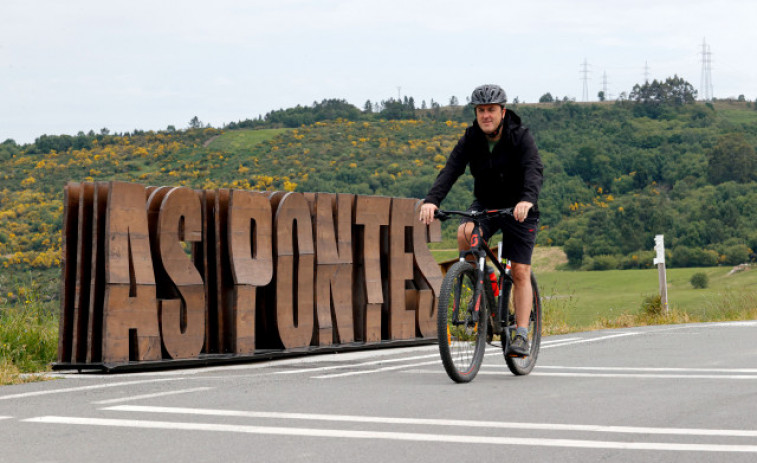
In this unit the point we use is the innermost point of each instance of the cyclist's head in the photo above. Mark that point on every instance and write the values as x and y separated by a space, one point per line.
488 94
489 101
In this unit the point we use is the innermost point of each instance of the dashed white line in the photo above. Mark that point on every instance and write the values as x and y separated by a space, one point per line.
398 436
151 396
5 417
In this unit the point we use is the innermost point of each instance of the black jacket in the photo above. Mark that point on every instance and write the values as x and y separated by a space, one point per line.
511 173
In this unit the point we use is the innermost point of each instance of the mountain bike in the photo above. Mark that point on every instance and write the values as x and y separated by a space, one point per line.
476 308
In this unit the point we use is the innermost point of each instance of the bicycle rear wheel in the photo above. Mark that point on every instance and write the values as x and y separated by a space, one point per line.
524 365
461 323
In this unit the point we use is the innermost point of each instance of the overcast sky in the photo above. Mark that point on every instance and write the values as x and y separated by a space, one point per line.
74 65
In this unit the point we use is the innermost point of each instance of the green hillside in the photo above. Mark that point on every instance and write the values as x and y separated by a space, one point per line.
614 177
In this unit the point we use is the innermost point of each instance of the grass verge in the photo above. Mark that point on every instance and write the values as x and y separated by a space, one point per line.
28 334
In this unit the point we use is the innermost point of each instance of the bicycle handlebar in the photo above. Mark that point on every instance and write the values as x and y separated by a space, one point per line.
474 215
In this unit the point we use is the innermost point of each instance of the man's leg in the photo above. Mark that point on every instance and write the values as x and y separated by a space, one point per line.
522 298
522 293
464 232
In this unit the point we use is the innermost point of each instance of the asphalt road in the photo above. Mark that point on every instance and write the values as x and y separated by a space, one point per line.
682 393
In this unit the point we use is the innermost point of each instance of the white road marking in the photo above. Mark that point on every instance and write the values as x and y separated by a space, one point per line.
585 340
151 396
499 370
82 388
352 365
5 417
642 375
434 422
377 370
560 343
546 342
661 369
398 436
316 358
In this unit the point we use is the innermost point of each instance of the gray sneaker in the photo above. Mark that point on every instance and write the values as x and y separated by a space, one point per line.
519 347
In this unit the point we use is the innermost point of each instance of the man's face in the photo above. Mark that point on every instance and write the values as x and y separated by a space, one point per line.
489 116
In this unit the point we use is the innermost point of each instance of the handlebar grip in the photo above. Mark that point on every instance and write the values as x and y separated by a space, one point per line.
440 215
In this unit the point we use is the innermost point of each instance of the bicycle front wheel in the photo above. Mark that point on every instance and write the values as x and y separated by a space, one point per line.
461 323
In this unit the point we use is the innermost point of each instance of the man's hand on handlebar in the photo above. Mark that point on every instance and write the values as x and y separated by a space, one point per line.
521 210
427 213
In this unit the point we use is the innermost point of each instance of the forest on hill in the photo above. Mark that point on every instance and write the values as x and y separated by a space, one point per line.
616 173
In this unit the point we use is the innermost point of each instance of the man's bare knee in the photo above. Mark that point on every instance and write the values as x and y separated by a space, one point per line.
464 232
521 273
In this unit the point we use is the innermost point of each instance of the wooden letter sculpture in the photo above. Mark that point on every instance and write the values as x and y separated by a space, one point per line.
401 320
333 250
428 275
251 254
171 273
371 212
295 260
182 317
130 315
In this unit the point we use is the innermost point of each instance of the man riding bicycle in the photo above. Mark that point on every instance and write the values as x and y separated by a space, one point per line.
507 172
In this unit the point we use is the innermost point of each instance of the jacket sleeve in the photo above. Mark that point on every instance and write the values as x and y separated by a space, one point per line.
533 169
452 170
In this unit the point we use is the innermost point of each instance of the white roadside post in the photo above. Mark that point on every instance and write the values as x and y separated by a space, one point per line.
659 261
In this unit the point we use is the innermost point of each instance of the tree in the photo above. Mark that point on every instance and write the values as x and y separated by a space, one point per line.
195 123
732 159
675 90
601 95
680 92
368 107
546 98
453 101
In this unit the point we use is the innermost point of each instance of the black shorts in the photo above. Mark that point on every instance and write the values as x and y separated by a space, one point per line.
518 238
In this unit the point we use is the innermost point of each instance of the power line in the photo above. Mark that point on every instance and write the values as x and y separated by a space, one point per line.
585 78
706 79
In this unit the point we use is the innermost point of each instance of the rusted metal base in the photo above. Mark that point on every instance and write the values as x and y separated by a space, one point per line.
227 359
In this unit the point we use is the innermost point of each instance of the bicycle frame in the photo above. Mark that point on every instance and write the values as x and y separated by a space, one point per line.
480 251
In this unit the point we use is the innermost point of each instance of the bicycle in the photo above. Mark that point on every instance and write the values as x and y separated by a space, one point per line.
466 298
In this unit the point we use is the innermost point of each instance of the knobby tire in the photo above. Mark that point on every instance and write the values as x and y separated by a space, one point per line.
461 342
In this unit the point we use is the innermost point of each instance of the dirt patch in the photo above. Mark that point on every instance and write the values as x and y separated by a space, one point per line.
209 141
547 259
